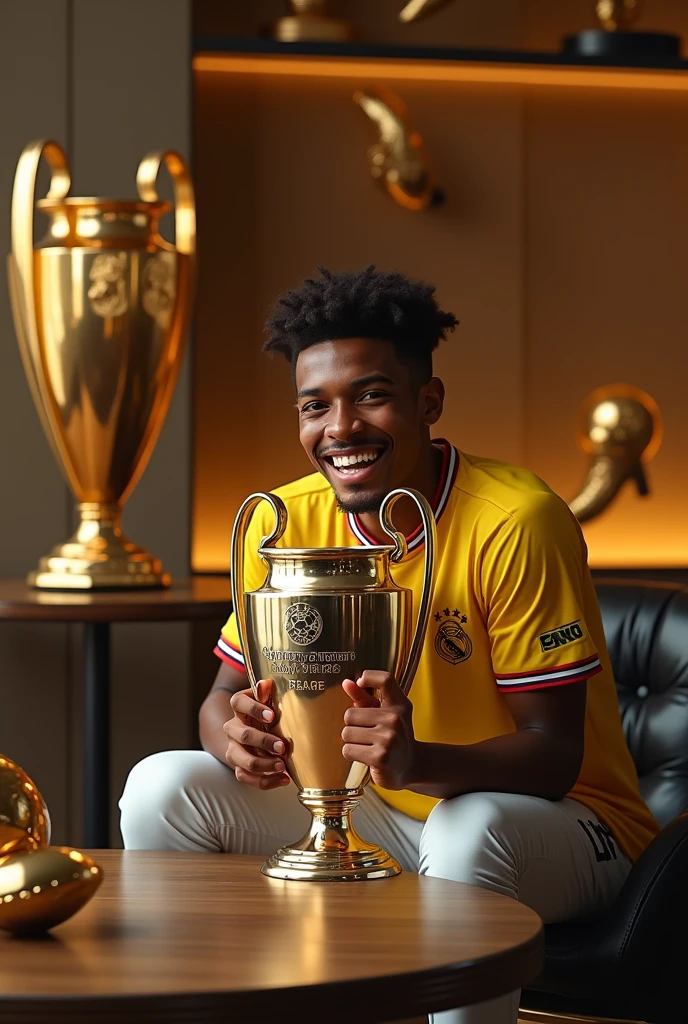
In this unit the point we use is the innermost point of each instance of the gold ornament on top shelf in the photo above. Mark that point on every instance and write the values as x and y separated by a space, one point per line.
417 9
618 15
101 308
310 22
399 161
40 886
621 430
617 37
324 615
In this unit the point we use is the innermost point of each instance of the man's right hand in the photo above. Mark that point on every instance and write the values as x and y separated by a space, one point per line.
255 755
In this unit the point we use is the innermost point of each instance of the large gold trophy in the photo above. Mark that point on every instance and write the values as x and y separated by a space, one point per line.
324 615
100 308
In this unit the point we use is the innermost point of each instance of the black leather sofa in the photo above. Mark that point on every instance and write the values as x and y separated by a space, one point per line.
629 964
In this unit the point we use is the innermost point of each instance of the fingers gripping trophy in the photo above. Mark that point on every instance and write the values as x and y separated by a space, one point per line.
321 616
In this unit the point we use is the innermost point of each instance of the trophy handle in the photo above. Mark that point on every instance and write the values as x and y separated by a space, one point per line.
185 206
20 272
397 555
237 563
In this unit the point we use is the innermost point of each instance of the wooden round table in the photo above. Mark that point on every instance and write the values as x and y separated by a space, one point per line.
205 938
202 597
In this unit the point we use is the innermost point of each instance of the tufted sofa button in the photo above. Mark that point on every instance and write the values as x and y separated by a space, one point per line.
642 692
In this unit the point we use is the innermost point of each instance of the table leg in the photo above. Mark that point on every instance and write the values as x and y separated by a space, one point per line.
96 734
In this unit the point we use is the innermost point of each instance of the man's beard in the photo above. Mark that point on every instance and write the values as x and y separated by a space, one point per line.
359 505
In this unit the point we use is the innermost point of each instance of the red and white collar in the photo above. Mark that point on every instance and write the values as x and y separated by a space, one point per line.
450 463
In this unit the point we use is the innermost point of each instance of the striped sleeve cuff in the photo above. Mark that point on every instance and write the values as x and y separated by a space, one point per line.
560 675
230 654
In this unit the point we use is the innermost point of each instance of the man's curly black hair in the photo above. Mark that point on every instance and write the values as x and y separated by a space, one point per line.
365 304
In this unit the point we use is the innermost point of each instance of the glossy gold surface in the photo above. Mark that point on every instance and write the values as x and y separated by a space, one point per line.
398 161
24 818
322 616
621 430
41 890
309 20
100 307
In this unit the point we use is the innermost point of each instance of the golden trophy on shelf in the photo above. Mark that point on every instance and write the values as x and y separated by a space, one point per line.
324 615
621 430
100 308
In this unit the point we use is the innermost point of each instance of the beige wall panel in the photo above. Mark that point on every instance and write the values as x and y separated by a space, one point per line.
132 94
607 265
284 185
34 690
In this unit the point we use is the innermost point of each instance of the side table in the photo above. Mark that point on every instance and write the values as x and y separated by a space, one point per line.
187 600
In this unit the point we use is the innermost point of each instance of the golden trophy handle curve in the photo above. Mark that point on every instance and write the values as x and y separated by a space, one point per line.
20 266
237 563
398 554
185 207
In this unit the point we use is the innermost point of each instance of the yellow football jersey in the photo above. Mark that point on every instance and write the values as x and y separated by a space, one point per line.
514 609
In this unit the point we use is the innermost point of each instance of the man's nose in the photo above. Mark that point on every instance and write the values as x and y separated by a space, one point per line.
343 421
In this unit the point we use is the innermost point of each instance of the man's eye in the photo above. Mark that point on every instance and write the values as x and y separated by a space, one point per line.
313 407
371 396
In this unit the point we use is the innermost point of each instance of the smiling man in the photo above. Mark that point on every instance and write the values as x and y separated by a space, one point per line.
506 767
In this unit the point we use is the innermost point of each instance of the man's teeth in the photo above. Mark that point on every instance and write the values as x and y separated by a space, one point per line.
342 461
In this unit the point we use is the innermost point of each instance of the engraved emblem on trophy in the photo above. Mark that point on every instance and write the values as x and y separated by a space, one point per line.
324 615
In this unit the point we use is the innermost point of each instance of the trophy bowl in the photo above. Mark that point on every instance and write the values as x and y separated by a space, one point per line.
324 615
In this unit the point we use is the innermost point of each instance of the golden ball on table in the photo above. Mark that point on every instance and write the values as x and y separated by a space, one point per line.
42 889
24 818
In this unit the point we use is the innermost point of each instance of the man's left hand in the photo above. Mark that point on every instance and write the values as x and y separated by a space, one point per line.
379 732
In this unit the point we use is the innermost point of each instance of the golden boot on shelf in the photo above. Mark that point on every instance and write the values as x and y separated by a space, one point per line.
398 161
621 430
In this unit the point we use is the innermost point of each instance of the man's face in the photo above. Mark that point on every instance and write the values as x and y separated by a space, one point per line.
363 419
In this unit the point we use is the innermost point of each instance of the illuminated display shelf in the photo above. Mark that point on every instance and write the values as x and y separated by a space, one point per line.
433 64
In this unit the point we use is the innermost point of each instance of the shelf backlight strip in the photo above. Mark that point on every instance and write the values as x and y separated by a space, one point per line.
445 71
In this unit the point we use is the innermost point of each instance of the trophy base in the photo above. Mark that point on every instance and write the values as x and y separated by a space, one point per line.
331 851
98 557
292 863
621 45
312 27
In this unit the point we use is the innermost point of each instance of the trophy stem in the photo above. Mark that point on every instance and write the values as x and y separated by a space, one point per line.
331 850
98 556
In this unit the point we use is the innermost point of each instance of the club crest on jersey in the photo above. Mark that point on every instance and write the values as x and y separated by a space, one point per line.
561 635
452 642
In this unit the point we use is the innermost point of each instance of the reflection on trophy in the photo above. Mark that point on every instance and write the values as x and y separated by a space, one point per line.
322 616
398 161
100 308
621 429
309 20
40 886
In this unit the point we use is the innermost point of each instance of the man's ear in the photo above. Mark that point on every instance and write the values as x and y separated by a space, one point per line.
432 401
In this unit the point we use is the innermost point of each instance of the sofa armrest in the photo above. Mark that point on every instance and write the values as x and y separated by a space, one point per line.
614 960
